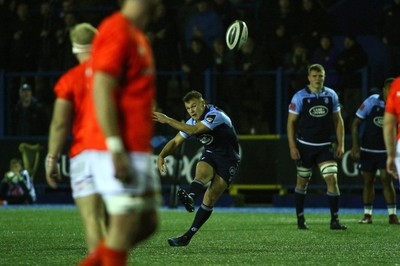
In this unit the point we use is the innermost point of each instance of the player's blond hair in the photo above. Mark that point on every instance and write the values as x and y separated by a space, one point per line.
316 67
83 34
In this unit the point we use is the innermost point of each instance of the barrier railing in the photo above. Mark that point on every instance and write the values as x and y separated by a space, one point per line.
9 83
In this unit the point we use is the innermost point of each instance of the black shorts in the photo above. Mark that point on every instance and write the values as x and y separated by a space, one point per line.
314 155
372 161
225 167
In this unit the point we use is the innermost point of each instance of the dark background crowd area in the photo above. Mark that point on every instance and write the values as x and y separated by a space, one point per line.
188 37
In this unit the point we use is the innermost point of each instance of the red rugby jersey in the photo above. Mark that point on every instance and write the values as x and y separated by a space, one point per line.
393 102
122 50
72 87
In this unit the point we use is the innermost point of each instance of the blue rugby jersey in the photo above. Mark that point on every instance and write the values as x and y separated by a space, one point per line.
371 112
222 138
315 115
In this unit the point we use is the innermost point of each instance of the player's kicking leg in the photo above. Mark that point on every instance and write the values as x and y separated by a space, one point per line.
213 193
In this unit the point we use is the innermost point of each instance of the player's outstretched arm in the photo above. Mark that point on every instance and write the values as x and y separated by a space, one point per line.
168 149
191 130
58 132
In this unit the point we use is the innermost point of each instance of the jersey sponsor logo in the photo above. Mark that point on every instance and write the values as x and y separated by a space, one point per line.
292 106
378 121
232 171
210 118
206 139
318 111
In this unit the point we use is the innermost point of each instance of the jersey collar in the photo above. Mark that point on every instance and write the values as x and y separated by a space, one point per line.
310 92
206 110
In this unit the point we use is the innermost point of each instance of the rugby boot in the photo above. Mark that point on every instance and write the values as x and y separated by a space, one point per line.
301 224
336 225
366 220
393 219
179 241
186 199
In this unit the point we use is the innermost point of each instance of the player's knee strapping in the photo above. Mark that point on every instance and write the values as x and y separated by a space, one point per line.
304 172
152 202
123 204
329 169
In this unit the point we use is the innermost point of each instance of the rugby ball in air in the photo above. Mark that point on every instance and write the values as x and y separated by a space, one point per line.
236 35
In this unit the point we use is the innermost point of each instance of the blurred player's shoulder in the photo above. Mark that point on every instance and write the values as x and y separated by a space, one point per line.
69 80
304 92
115 22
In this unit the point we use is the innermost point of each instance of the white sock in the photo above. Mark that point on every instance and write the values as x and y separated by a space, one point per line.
368 209
391 209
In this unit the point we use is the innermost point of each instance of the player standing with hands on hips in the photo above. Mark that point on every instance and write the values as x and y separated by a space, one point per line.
218 163
372 153
311 113
390 120
122 74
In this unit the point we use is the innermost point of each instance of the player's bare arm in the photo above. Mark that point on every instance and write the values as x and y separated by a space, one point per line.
339 129
168 149
291 132
59 126
191 130
106 112
355 148
389 135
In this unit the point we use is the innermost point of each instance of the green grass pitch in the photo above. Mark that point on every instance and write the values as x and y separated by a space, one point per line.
54 236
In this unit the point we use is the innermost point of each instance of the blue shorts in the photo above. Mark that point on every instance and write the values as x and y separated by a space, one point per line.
314 155
372 161
225 167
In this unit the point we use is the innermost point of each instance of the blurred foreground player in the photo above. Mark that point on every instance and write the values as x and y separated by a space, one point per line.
391 122
122 73
372 153
71 96
218 163
311 113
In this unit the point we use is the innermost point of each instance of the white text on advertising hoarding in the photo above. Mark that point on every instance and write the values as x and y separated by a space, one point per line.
188 165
